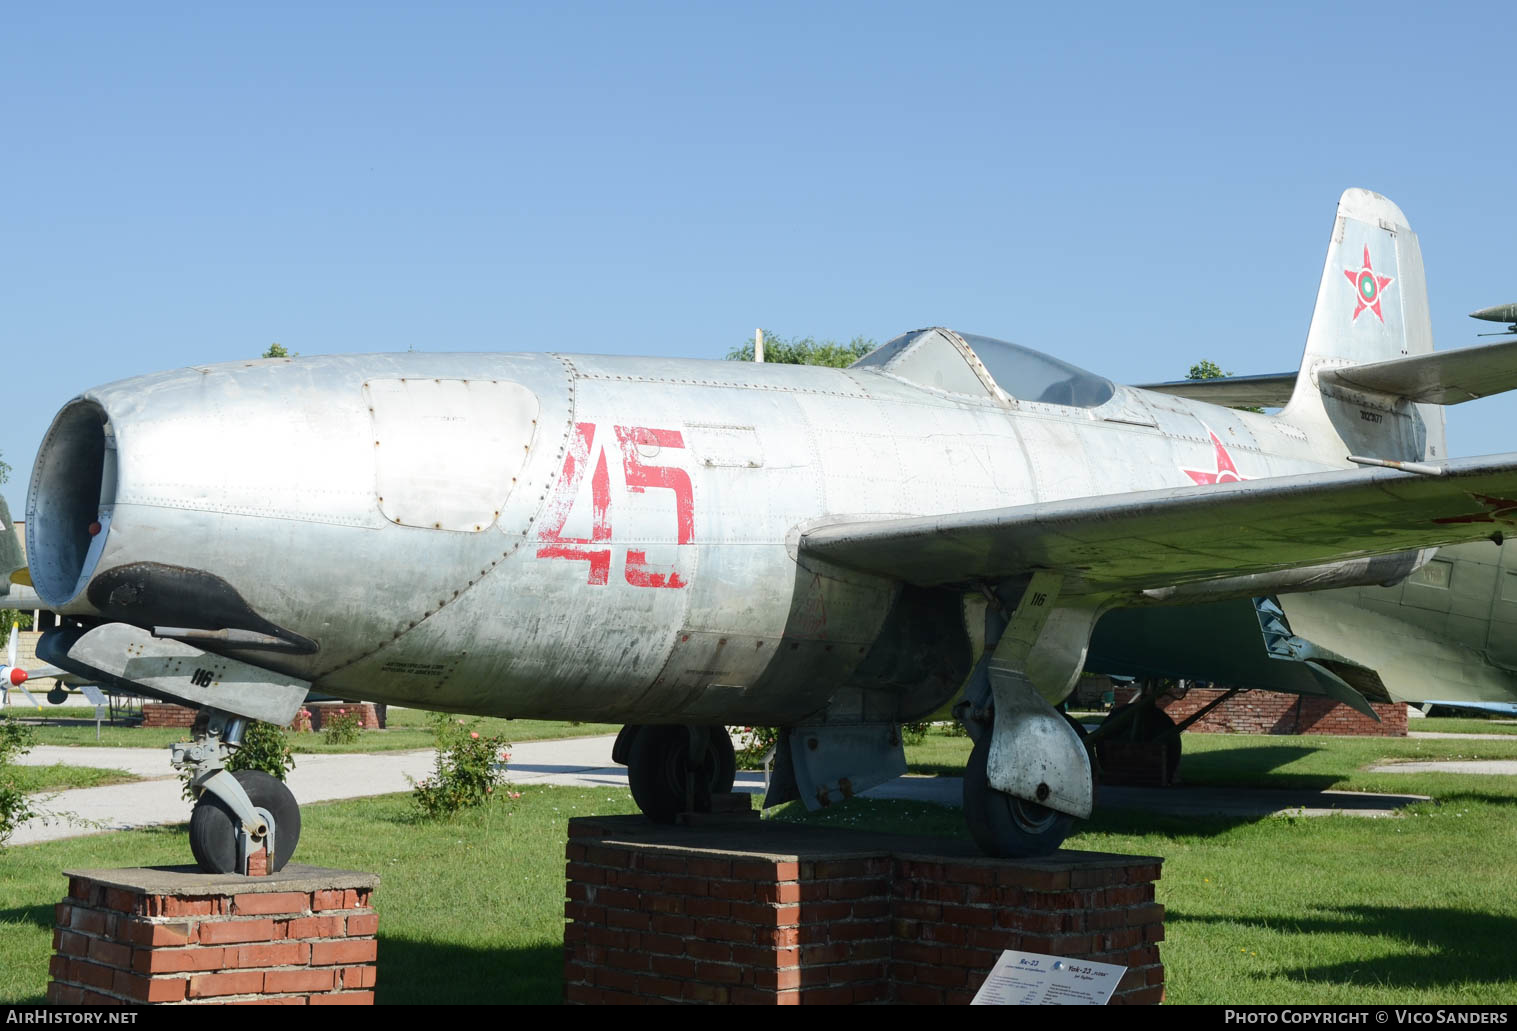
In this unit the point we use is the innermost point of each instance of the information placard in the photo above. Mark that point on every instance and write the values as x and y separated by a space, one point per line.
1032 979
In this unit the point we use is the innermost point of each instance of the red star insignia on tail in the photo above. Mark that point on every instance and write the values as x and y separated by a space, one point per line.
1226 471
1367 286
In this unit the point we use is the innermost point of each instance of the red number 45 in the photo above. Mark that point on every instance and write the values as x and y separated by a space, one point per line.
639 478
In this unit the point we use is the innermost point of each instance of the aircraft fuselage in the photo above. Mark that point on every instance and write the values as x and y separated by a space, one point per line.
578 537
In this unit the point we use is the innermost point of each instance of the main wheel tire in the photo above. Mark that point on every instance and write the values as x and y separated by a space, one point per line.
1005 826
213 826
659 759
726 760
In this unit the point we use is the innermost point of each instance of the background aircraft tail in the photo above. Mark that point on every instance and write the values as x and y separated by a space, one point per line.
1371 307
11 557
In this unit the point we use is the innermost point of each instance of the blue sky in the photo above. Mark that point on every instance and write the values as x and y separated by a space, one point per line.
1131 188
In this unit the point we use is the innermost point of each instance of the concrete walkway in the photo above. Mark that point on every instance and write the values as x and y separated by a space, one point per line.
578 762
583 762
1493 767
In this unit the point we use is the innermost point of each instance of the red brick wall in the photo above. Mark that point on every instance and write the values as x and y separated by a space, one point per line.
1270 712
651 922
115 944
164 714
322 711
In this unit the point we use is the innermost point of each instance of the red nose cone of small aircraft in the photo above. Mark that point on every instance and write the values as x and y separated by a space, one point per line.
18 677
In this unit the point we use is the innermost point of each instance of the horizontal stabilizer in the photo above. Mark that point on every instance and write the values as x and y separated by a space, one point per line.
1439 378
1336 688
1271 390
1221 643
1162 538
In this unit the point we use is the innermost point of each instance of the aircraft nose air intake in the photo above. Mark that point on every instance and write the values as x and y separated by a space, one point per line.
69 505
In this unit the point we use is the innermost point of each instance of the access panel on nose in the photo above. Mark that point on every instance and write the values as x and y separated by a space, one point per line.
447 452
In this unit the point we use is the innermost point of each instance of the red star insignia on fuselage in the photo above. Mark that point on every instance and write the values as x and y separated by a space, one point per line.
1497 510
1225 472
1367 286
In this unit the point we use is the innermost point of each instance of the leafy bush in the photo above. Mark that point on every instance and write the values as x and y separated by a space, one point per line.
469 768
752 744
12 618
15 808
264 747
915 733
341 728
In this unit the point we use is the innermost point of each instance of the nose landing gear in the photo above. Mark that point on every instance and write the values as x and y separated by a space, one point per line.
235 814
221 841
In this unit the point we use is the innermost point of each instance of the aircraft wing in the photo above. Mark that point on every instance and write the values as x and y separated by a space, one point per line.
1271 390
1154 539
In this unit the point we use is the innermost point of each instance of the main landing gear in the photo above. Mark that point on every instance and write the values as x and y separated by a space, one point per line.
1029 776
1003 824
664 778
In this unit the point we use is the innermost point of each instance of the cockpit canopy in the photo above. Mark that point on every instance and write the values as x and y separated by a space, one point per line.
960 362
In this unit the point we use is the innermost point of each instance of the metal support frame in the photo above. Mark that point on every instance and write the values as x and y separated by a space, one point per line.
1121 719
1200 714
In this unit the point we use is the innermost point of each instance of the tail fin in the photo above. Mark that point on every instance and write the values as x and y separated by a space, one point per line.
1371 307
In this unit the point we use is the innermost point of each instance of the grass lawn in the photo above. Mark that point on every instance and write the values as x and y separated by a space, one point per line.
407 729
1458 725
470 910
59 777
1275 910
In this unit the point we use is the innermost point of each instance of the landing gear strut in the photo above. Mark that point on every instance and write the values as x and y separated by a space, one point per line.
664 780
1029 776
235 814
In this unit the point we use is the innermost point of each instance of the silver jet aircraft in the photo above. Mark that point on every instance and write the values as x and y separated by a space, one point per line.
680 545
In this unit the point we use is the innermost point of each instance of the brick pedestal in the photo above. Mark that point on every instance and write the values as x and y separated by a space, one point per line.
322 712
174 935
1136 763
775 913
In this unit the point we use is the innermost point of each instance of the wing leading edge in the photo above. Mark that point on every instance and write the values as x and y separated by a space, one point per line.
1157 539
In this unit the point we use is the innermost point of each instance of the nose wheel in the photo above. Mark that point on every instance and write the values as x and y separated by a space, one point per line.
236 813
222 842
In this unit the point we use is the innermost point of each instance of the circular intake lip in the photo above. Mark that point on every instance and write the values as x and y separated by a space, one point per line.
70 501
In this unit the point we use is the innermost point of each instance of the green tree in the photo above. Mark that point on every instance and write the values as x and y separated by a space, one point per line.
278 351
1208 369
805 351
